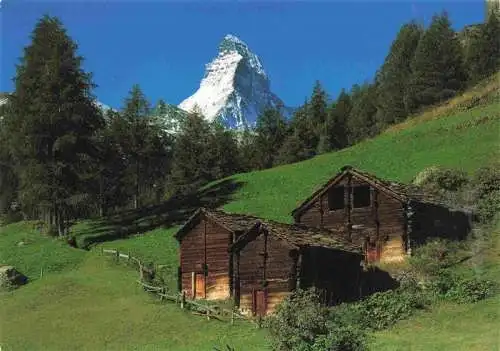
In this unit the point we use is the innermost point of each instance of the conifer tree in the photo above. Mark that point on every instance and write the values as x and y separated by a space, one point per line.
393 76
247 150
301 141
318 105
271 130
437 67
146 147
483 58
191 159
224 152
337 120
361 122
52 111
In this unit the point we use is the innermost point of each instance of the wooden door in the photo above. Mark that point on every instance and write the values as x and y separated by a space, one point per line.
199 287
372 251
259 303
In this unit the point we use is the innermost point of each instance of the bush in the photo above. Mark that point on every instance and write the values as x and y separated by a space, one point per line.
471 290
441 179
488 206
437 254
486 181
456 288
341 338
382 309
300 323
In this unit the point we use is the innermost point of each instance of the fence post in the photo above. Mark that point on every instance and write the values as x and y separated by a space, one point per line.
208 314
117 256
183 299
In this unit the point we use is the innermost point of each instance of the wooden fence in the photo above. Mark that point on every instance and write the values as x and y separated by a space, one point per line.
195 307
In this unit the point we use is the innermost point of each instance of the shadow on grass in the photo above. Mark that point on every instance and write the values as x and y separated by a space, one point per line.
174 211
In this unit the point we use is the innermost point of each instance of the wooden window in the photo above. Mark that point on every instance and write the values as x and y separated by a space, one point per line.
361 196
336 198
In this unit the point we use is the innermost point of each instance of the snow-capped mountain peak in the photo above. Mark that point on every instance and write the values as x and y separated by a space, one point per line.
235 87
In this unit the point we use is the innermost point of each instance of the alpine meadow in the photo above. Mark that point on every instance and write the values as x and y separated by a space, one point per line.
368 221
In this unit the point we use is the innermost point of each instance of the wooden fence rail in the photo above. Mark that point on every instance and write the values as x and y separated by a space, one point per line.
197 308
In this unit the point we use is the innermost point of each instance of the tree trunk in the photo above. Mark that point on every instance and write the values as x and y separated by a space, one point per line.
136 197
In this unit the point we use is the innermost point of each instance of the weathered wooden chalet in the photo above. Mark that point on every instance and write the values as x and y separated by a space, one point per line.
386 218
273 259
205 264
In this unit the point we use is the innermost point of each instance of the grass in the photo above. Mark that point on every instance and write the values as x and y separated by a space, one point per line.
447 327
158 247
86 302
99 306
22 246
467 141
450 326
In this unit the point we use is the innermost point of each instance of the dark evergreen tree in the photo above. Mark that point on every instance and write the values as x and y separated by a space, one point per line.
318 115
112 186
394 74
146 147
271 130
337 121
361 122
191 158
437 67
247 150
53 112
483 57
224 152
301 141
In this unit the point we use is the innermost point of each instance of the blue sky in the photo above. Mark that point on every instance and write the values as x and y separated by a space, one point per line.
164 45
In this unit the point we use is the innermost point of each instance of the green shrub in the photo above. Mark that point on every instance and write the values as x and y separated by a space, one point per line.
436 179
457 288
488 206
382 309
342 338
298 321
437 254
301 323
486 180
470 290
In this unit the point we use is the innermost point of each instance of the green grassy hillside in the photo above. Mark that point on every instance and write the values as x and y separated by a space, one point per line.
85 302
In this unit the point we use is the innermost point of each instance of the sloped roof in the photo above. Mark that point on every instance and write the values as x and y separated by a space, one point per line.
399 191
299 236
233 222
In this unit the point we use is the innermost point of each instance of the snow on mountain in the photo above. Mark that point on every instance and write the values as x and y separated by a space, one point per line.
235 88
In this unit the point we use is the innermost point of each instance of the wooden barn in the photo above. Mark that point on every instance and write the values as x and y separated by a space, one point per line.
273 259
386 218
205 265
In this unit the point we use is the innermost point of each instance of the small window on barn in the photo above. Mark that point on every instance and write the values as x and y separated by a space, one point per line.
336 198
361 196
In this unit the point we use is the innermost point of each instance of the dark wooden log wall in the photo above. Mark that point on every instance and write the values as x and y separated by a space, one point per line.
336 274
198 249
432 221
268 263
382 222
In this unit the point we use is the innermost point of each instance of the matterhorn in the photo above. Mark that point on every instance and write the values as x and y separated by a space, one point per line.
235 88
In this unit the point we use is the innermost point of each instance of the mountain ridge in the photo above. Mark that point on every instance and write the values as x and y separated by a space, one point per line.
235 87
